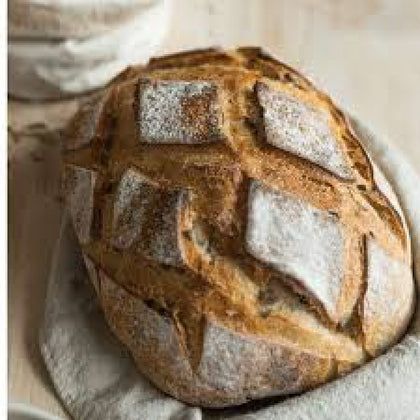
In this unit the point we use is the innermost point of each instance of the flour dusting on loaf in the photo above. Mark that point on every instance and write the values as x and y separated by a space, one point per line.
139 203
139 324
273 366
389 298
299 240
133 196
240 240
79 184
177 112
298 128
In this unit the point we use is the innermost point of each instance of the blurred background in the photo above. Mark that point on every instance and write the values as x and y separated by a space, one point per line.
364 53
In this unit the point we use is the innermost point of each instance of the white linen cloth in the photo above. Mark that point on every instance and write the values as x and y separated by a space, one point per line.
53 19
44 68
96 379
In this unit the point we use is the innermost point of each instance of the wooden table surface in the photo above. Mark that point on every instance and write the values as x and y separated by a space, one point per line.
366 54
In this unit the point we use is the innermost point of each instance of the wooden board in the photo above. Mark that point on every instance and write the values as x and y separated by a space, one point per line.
364 53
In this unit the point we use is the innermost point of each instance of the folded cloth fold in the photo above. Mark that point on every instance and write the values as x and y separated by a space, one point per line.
96 379
50 68
53 19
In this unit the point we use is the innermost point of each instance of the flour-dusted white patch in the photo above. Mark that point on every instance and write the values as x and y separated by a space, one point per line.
140 203
140 324
149 334
296 127
79 184
236 362
389 299
133 197
178 112
83 127
299 240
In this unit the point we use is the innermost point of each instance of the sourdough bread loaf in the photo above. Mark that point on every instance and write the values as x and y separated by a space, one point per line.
241 242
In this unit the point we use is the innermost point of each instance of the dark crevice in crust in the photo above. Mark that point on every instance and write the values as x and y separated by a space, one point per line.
158 307
105 148
99 196
314 306
103 189
75 152
354 147
220 236
298 160
355 324
97 219
99 253
191 335
268 300
101 143
357 154
191 58
382 206
390 214
208 238
254 120
101 148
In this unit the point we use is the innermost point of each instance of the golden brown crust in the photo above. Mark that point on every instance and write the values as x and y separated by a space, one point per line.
211 127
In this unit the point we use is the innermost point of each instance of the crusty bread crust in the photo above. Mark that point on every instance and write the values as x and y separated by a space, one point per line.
234 228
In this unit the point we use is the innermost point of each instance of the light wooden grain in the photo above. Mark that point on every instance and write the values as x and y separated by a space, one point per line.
366 54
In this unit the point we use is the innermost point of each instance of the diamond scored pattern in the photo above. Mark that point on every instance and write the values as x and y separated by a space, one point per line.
293 237
289 234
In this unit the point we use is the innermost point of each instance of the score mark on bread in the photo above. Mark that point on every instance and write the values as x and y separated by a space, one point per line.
148 216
